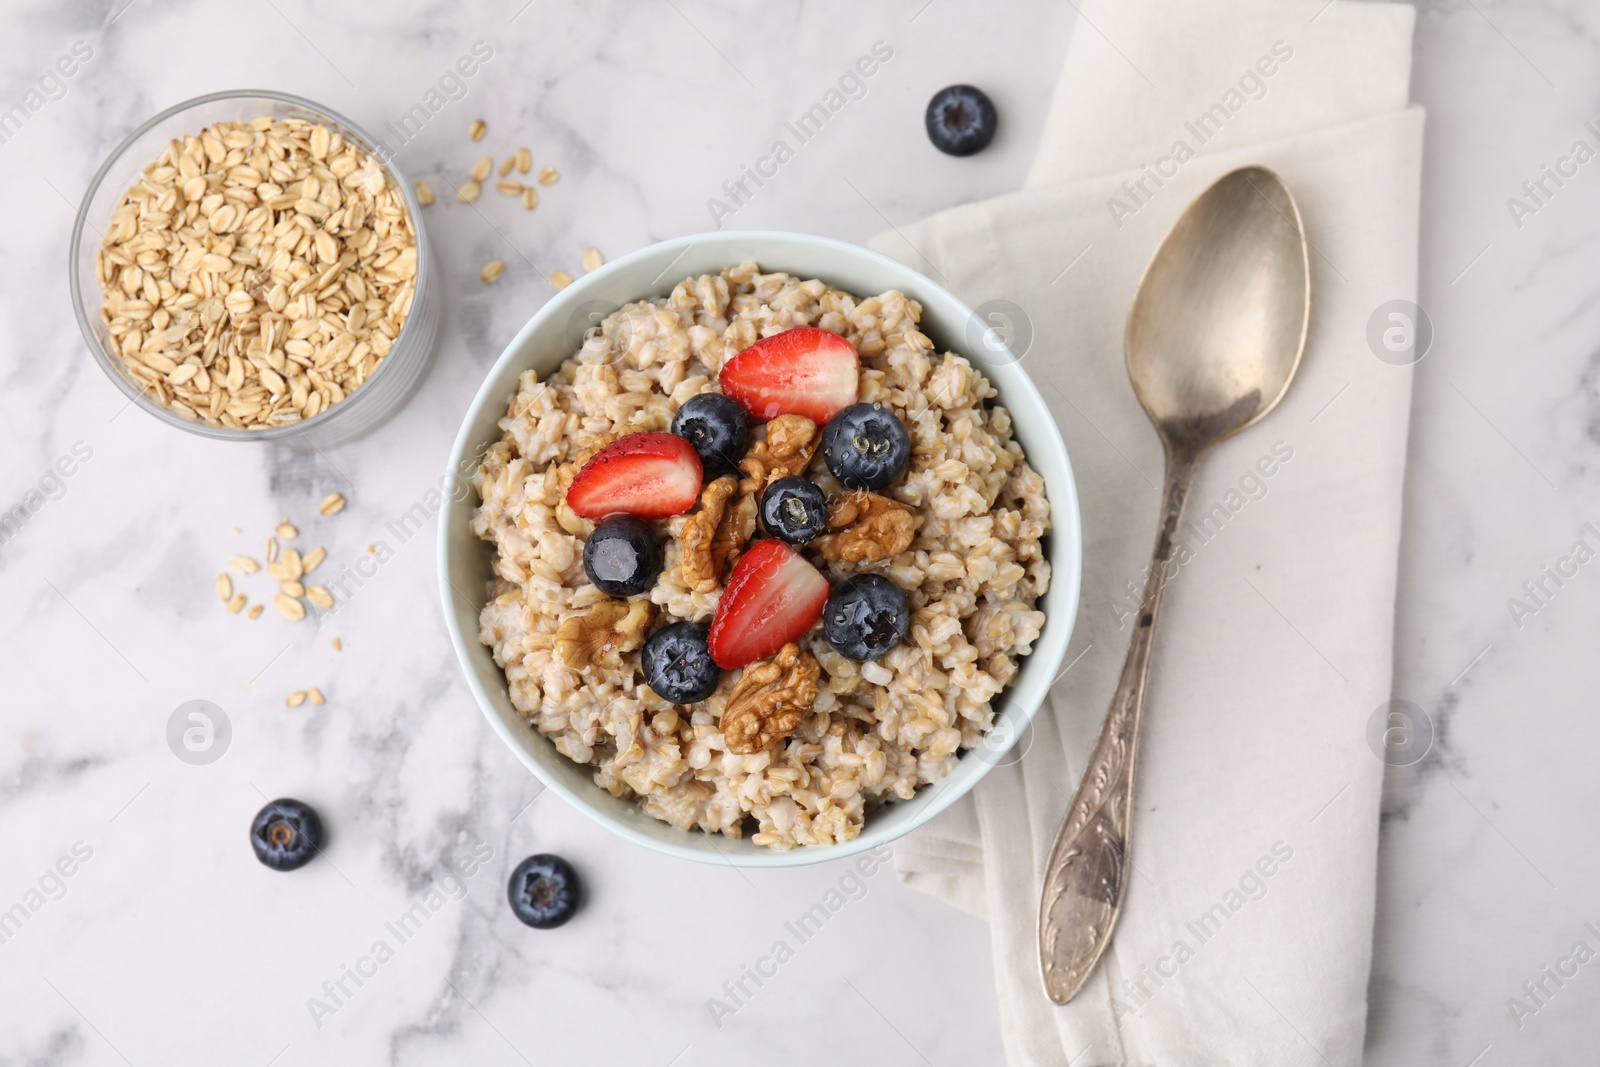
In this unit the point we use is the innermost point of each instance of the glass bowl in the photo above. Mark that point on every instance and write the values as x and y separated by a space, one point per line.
395 377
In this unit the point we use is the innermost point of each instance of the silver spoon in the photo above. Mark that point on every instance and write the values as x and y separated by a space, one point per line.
1213 340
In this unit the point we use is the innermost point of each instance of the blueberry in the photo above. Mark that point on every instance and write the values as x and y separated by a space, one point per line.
286 834
719 430
677 664
961 120
622 556
865 446
866 616
794 509
543 891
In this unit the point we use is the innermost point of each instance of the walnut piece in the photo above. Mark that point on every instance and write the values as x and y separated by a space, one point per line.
791 442
770 700
599 638
866 528
714 536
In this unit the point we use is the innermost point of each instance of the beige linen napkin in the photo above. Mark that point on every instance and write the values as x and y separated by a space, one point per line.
1245 938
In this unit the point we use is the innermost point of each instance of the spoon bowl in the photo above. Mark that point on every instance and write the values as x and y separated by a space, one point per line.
1214 338
1219 322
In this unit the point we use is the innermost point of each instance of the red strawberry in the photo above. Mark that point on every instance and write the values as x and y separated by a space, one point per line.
804 371
773 597
648 475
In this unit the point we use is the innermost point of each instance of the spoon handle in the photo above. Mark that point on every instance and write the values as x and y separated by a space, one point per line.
1085 878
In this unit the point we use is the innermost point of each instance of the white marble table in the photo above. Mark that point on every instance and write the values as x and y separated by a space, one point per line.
167 943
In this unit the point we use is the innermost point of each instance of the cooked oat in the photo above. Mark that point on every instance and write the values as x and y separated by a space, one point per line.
257 273
331 504
874 732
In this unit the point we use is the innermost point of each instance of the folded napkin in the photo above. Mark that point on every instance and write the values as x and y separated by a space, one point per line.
1245 936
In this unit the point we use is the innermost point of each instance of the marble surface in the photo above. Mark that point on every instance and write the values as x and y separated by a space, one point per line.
168 944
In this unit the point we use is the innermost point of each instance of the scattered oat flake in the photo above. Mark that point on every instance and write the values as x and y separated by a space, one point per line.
320 597
289 607
477 129
224 587
492 270
505 168
287 530
255 611
509 188
316 696
272 550
560 279
312 560
338 645
332 504
372 550
243 564
483 168
530 197
236 605
549 175
524 161
296 698
424 194
593 259
469 192
292 588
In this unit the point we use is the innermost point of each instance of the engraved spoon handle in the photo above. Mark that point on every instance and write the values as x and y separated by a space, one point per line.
1085 877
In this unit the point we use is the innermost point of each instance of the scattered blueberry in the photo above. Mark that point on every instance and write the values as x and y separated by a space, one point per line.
866 616
286 834
718 428
677 664
794 509
543 891
961 120
865 446
622 556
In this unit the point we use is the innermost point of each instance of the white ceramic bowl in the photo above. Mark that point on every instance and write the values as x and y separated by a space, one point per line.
555 333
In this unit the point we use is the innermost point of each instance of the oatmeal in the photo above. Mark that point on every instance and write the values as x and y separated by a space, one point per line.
798 746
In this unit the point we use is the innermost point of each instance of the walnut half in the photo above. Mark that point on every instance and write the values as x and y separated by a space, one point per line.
770 700
714 536
866 528
791 442
599 638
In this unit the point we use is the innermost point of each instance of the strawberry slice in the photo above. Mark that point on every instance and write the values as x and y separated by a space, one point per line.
647 475
773 597
804 371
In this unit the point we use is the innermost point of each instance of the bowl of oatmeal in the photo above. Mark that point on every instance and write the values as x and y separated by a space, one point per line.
802 745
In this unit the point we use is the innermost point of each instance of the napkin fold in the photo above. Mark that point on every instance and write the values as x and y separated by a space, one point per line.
1245 937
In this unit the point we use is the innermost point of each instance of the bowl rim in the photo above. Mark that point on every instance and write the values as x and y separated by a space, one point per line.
934 797
108 362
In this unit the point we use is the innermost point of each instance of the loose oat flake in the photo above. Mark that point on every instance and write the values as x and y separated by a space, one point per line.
224 587
251 281
316 696
331 504
287 530
424 194
549 175
296 698
477 129
593 259
491 271
560 279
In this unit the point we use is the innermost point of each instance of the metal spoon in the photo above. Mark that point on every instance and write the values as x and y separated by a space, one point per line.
1213 340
